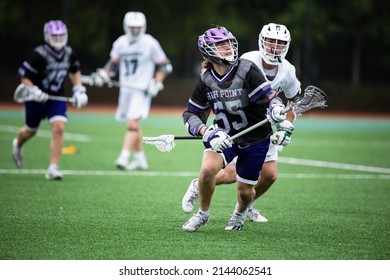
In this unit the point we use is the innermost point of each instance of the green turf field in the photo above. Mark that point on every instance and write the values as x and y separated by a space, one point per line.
331 201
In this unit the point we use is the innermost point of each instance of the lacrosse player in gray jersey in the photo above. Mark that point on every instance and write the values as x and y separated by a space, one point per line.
239 96
43 73
274 41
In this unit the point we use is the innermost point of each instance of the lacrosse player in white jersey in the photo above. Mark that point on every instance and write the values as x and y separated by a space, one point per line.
43 75
143 66
274 42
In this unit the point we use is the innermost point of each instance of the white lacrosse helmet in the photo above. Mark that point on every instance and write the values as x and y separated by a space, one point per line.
274 41
55 34
134 25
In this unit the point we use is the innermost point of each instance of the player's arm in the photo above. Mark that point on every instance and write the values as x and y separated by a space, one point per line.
163 69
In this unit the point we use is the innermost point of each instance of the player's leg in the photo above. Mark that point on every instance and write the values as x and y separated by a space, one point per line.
212 162
34 112
57 118
224 176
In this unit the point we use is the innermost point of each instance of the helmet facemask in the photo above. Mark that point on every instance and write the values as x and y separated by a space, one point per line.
134 25
55 34
274 42
219 46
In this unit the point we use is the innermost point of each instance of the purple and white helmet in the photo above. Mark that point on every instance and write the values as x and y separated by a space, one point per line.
207 46
55 34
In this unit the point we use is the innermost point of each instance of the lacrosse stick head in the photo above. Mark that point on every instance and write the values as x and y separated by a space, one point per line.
164 143
312 97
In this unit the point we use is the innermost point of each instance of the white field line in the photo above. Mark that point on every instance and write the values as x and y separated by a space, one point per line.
47 134
194 174
335 165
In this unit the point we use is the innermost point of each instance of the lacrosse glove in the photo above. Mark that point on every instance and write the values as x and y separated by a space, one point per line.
154 87
275 113
80 96
283 134
216 139
35 94
100 78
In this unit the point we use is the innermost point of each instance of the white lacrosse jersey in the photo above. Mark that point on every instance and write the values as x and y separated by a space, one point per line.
285 80
137 61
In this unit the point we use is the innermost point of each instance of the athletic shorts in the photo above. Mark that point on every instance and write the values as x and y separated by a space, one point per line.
53 110
132 104
249 161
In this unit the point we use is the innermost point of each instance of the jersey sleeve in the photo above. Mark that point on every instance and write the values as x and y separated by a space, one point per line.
32 67
293 86
198 110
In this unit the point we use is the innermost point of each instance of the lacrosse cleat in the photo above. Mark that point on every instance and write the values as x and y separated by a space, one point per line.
53 174
121 163
137 165
254 215
17 154
196 221
190 197
236 221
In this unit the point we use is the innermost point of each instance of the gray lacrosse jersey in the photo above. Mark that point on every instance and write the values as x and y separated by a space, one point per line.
285 81
137 61
48 69
238 99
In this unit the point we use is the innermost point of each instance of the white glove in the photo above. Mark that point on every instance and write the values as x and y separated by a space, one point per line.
283 134
275 114
35 94
80 96
154 87
100 78
216 139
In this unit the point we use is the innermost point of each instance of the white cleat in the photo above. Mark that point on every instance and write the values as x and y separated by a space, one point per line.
121 164
137 165
17 154
255 216
190 197
196 221
236 222
53 174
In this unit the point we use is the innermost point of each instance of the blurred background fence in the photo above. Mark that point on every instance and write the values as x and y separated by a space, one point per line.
342 47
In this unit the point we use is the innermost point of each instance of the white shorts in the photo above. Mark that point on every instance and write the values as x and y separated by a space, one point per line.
132 104
272 153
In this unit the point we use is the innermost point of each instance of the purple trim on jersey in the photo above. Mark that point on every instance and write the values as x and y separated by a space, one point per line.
36 112
264 88
53 52
250 159
29 67
194 107
225 77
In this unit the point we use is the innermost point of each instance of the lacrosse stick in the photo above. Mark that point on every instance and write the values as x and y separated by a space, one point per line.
22 95
313 97
88 80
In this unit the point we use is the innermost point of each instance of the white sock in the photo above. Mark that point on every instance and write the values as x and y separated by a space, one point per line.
53 166
204 213
125 154
140 156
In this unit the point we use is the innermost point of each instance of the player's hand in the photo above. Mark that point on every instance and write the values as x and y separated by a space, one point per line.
80 96
275 113
100 78
283 134
216 139
154 88
35 94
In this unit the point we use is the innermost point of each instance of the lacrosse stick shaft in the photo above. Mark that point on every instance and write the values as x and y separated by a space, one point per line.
62 98
88 80
263 122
